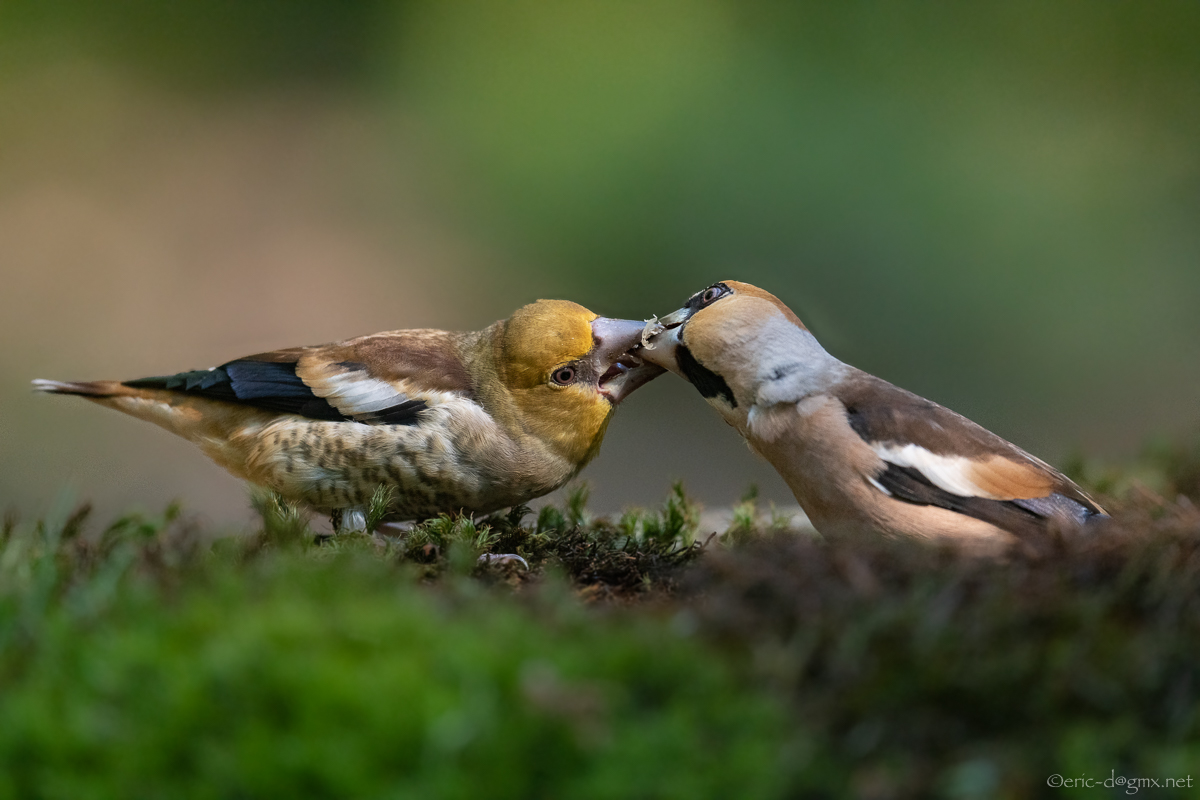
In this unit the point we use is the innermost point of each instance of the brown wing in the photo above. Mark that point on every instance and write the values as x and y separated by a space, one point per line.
424 358
373 379
952 458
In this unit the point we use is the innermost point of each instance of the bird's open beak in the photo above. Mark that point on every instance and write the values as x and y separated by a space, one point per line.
620 370
660 348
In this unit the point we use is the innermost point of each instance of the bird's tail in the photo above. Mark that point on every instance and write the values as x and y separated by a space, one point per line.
205 422
197 419
83 388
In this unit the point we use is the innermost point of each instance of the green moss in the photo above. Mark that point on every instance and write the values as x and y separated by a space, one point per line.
269 671
146 660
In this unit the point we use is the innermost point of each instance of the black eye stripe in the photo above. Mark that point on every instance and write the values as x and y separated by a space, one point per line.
697 301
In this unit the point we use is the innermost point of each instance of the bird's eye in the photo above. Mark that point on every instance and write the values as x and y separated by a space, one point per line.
563 376
711 294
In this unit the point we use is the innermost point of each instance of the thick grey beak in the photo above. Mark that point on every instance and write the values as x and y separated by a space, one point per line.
614 337
621 371
676 318
660 348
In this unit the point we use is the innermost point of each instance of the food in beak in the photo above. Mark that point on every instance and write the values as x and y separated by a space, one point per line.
657 333
653 328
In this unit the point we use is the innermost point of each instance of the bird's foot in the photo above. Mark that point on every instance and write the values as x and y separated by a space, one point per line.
348 520
395 530
503 560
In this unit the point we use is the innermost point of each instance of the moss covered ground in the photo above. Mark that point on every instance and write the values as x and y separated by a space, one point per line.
635 657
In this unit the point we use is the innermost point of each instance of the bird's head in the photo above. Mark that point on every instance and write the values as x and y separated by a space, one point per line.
739 346
566 369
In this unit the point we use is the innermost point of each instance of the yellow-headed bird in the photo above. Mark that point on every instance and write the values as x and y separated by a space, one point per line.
468 422
858 453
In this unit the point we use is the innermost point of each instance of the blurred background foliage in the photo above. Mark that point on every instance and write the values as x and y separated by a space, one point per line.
992 204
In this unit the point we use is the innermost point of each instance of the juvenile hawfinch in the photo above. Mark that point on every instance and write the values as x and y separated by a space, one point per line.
454 421
860 454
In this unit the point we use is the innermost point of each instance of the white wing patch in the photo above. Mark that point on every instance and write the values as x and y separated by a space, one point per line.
350 388
948 473
356 393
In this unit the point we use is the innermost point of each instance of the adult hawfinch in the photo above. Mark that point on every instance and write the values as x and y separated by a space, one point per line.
859 453
455 421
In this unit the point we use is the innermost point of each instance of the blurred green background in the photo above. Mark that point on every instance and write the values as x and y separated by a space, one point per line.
996 205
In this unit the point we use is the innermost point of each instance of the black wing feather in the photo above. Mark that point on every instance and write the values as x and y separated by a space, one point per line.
909 485
272 385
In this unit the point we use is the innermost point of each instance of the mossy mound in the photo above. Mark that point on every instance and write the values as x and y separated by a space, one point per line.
147 659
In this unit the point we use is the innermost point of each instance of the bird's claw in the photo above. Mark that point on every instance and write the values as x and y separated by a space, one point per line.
503 560
395 530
